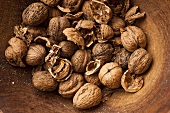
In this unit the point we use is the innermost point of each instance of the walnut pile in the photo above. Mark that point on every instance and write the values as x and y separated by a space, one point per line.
83 49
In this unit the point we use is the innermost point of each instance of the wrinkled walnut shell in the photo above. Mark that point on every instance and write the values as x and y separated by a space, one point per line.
85 24
86 9
110 75
139 61
42 80
87 96
130 83
69 87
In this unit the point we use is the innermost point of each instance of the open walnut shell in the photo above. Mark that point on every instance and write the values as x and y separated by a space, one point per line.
93 66
101 12
130 83
61 70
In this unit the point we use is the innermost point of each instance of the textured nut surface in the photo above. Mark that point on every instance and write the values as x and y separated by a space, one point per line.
132 38
93 78
139 61
35 14
56 27
50 2
130 83
80 59
85 24
69 87
35 55
42 80
86 9
110 75
87 96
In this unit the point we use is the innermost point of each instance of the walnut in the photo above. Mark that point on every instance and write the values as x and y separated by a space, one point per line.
69 87
139 61
110 75
16 51
101 12
35 14
87 96
130 83
106 33
87 11
74 16
68 6
80 59
73 35
122 58
132 38
61 70
85 24
42 80
68 48
132 15
117 23
56 27
102 51
35 55
93 78
51 3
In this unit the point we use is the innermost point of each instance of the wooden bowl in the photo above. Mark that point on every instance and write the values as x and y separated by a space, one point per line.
17 95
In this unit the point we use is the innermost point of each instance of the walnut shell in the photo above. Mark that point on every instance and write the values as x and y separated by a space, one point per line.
85 24
93 78
68 48
35 55
16 51
130 83
110 75
139 61
132 38
87 96
51 3
102 51
80 59
86 9
42 80
69 87
35 14
117 23
56 27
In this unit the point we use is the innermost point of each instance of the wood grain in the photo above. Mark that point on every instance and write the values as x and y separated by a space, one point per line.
17 95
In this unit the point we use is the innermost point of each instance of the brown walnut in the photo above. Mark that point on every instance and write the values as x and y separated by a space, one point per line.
56 27
93 78
51 3
102 51
110 75
80 59
69 87
16 51
35 14
87 11
35 55
132 38
42 80
85 24
87 96
139 61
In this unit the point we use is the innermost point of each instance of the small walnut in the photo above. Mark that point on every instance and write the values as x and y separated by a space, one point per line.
102 51
132 38
16 51
69 87
85 24
139 61
80 59
68 6
56 27
51 3
106 33
87 96
35 55
73 35
68 48
130 83
110 75
122 58
35 14
42 80
86 9
101 12
117 23
93 78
